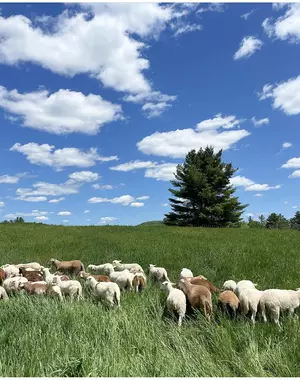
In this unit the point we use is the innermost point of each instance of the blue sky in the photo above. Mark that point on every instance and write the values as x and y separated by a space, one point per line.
99 102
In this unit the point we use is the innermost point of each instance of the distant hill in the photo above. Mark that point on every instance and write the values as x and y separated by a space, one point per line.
151 223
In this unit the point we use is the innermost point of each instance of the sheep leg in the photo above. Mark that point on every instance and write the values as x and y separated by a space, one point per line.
180 319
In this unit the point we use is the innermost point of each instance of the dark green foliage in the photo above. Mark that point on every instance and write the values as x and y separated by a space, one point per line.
295 221
277 221
203 194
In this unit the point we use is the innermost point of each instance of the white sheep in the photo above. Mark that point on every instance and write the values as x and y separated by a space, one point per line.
185 273
133 268
157 273
114 275
229 285
11 270
102 268
176 300
13 284
244 284
249 299
3 294
125 281
276 300
34 266
71 287
49 277
108 291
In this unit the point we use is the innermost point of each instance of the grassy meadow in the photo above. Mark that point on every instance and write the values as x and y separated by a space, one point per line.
43 337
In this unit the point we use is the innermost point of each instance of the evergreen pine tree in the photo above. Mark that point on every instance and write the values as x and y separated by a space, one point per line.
203 194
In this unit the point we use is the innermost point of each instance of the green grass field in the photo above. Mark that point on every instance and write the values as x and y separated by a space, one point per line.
42 337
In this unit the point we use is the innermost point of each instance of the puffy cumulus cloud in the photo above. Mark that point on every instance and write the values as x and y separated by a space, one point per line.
295 174
162 172
133 165
258 195
178 143
107 219
102 187
165 204
59 159
249 185
286 27
86 211
64 213
292 163
286 145
2 204
143 198
49 189
57 200
9 179
62 112
285 96
248 46
259 123
123 200
34 213
41 218
32 199
84 176
137 204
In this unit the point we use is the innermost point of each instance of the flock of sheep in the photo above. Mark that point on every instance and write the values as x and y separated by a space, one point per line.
110 279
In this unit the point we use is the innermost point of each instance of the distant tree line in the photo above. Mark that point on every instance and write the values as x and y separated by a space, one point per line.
277 221
18 220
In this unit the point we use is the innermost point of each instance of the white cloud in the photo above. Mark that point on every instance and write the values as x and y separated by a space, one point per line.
32 199
295 174
2 204
188 28
250 214
292 163
124 200
102 187
62 112
165 204
286 27
137 204
46 154
107 219
49 189
260 122
84 176
245 16
9 179
143 198
258 195
86 211
65 221
154 110
133 165
295 207
248 46
64 213
57 200
286 96
249 185
34 213
162 172
213 7
286 145
41 218
285 202
178 143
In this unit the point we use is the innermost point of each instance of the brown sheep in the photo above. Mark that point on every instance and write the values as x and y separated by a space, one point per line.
32 288
228 302
200 280
73 266
198 296
139 283
32 275
2 276
62 276
97 277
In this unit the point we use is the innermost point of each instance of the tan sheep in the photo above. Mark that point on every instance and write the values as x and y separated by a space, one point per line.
228 302
73 266
97 277
200 280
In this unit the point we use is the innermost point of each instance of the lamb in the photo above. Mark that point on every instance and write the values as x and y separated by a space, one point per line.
31 275
34 288
125 281
70 287
2 275
139 282
176 300
73 266
198 296
276 300
103 268
13 284
204 282
185 273
49 277
3 294
249 300
244 284
97 277
158 274
34 265
229 285
114 275
11 270
108 291
228 302
133 268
